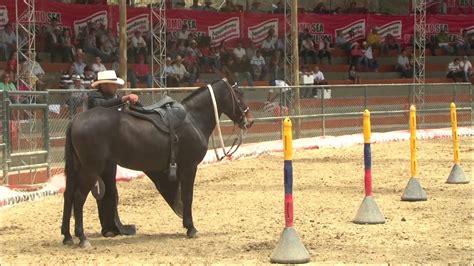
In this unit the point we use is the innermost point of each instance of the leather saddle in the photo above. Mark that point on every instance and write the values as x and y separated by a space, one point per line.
168 116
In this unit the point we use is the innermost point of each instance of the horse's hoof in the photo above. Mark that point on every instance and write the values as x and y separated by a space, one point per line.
85 244
68 241
192 233
128 229
110 234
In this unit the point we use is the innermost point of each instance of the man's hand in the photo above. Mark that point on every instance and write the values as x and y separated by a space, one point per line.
133 98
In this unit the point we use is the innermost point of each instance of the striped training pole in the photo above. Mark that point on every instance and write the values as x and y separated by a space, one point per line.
413 191
369 212
289 249
457 175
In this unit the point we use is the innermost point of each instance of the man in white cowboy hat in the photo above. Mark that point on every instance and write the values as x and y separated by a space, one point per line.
107 84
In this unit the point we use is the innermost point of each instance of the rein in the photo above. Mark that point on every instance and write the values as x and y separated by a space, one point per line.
237 141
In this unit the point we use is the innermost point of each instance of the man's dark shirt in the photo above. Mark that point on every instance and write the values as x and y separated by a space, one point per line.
97 98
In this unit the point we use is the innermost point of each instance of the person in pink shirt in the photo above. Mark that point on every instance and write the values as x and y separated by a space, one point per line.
142 71
356 54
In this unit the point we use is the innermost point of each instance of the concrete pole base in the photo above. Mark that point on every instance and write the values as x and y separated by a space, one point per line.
413 191
289 249
457 176
369 212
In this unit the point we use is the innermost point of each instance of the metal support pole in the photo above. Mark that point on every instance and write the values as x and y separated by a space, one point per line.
123 41
46 140
323 118
296 63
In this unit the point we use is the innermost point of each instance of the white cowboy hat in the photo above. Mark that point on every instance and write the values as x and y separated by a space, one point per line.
107 76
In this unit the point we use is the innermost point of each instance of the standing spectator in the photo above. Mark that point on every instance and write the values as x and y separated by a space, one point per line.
318 80
373 39
389 43
462 43
97 66
404 65
443 42
352 75
341 42
229 7
79 64
277 66
356 55
170 74
90 43
77 98
268 46
183 34
308 51
142 72
53 46
7 40
251 51
455 70
257 66
368 58
466 68
12 65
180 70
138 45
67 47
324 49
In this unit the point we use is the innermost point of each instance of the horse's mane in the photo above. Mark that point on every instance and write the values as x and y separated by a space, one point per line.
197 91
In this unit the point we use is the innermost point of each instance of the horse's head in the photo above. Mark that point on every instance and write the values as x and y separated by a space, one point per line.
235 107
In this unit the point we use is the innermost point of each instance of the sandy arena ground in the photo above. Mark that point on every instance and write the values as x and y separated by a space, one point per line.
238 211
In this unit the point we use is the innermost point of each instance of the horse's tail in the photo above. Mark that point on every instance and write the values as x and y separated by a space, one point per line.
71 176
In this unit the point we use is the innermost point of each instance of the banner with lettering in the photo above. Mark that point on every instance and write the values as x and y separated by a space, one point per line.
257 25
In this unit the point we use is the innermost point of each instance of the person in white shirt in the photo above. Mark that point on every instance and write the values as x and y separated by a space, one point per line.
368 58
455 70
466 68
7 41
268 46
170 74
324 49
239 53
257 66
183 34
138 45
318 80
404 66
180 70
97 66
308 50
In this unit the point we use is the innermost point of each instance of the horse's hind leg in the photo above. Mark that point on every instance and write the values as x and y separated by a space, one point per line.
68 203
108 211
80 196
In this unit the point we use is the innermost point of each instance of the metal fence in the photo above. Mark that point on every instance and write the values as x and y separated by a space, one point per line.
34 131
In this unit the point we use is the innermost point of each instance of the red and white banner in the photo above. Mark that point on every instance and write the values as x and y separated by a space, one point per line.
230 27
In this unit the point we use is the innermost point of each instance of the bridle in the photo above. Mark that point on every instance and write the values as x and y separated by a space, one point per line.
242 121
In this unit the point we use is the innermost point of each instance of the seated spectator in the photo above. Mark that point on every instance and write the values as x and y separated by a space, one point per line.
352 75
195 5
191 62
138 45
353 9
324 49
7 83
268 47
242 72
12 65
181 49
208 6
67 47
89 44
178 4
356 55
455 70
215 58
257 66
142 72
320 8
279 8
38 75
404 65
466 68
53 46
97 66
277 66
308 51
229 7
341 42
390 43
170 74
462 44
88 77
66 78
368 58
251 51
7 41
318 80
444 43
431 44
256 6
79 64
239 53
228 69
373 39
182 75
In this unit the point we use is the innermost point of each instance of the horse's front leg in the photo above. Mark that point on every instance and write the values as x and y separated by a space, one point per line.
187 175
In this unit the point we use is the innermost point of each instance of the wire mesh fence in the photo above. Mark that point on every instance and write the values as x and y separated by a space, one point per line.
331 110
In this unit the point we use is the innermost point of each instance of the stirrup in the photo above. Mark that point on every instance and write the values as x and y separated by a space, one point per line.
172 172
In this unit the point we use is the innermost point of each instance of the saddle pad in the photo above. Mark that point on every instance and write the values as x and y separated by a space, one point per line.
160 117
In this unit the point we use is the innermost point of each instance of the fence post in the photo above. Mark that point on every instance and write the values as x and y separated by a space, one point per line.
46 141
6 135
323 117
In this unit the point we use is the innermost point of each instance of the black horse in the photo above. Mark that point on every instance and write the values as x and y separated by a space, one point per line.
99 139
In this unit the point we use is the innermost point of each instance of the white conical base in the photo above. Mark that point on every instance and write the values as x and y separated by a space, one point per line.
369 212
413 191
289 249
457 176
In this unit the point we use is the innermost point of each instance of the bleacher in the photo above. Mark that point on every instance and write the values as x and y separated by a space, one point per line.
336 73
